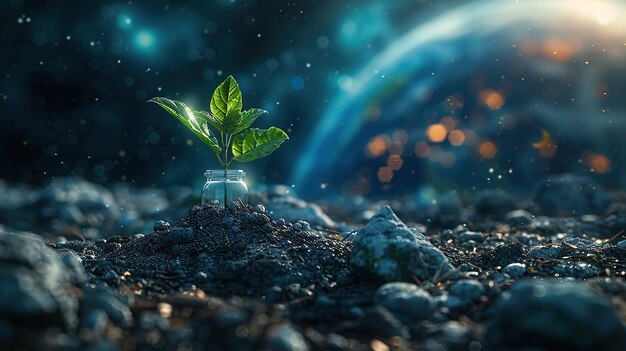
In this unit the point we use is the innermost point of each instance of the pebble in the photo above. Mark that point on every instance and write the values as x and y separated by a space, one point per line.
286 338
161 225
467 290
518 218
554 314
472 236
405 300
544 252
515 270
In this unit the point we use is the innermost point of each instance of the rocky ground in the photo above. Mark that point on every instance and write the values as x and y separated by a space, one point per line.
84 267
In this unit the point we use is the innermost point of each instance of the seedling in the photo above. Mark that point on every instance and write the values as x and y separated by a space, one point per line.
237 141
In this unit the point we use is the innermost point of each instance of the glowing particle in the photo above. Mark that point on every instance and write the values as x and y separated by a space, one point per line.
436 133
308 65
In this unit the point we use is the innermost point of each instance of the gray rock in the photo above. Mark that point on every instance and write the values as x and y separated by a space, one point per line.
472 236
293 209
554 314
286 338
467 290
386 249
405 300
515 270
544 252
109 302
518 218
622 243
161 225
34 283
570 195
581 243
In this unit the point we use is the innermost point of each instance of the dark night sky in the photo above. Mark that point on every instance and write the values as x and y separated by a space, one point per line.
75 75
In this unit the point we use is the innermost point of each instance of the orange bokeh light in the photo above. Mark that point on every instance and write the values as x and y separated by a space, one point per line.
487 149
385 174
436 133
598 163
422 149
456 137
377 146
494 100
394 162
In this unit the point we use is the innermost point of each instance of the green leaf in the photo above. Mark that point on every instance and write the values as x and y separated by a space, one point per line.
231 122
184 114
256 143
210 119
248 117
226 98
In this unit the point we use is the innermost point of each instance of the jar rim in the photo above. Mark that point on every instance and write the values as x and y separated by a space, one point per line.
221 172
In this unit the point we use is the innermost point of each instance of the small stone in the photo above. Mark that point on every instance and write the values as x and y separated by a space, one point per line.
298 227
467 290
581 243
544 252
60 240
235 229
471 236
259 208
138 236
405 300
161 225
286 338
553 314
515 270
280 222
518 218
201 276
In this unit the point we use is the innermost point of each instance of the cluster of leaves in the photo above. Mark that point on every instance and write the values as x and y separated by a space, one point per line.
231 123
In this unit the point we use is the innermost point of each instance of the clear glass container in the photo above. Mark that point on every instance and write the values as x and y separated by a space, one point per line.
224 187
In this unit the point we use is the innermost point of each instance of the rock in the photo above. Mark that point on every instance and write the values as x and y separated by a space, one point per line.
467 291
34 284
581 243
622 243
161 225
494 203
570 195
518 218
555 315
286 338
471 236
405 300
387 250
515 270
107 301
293 209
545 252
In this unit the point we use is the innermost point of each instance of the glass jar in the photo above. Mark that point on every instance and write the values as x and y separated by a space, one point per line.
224 187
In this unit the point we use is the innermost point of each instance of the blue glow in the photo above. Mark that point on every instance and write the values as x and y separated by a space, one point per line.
297 83
145 39
124 21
